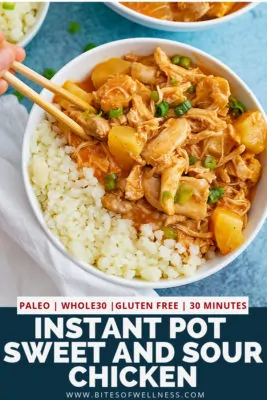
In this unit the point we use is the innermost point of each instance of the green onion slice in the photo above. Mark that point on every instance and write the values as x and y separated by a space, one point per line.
185 62
155 96
18 95
183 194
210 162
110 182
86 114
174 81
162 109
169 232
9 6
182 108
74 27
116 113
89 46
191 89
49 73
166 195
192 160
215 195
236 106
175 59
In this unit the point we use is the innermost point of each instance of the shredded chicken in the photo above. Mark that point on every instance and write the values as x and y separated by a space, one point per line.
212 93
182 11
134 187
172 136
144 73
94 126
116 93
176 72
115 203
201 120
139 112
170 178
189 12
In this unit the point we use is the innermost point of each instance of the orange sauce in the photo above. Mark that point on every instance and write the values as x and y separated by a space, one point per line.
159 10
87 84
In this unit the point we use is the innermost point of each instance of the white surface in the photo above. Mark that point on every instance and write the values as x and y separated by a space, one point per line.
29 263
79 68
174 26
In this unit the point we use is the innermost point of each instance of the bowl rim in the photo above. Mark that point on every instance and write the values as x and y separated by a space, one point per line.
147 21
32 32
223 261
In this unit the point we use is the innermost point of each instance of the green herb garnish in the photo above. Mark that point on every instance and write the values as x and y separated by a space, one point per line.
215 195
49 73
89 46
18 95
74 27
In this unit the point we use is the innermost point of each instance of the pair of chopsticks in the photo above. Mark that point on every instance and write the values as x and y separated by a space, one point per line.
36 98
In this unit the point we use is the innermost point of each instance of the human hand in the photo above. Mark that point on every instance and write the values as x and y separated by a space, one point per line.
8 54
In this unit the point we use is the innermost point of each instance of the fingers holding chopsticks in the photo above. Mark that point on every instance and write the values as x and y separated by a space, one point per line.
8 54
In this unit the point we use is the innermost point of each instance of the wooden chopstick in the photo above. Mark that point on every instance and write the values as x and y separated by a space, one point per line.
48 107
47 84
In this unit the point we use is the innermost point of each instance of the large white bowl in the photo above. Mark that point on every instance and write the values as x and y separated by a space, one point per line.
78 69
174 26
32 32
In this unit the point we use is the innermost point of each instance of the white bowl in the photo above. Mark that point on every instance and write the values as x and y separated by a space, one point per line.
78 69
40 17
174 26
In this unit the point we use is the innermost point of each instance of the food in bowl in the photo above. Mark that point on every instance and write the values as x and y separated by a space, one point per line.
16 19
184 11
166 176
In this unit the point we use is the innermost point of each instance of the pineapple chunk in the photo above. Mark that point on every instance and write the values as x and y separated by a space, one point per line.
227 228
103 71
252 128
124 145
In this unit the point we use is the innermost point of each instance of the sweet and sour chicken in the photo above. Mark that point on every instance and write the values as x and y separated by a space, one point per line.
171 145
185 11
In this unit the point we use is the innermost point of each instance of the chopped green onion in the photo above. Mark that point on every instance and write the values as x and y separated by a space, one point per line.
183 194
174 81
236 106
182 108
185 62
49 73
18 95
162 109
176 59
215 195
191 89
86 114
169 232
166 195
89 46
99 114
9 6
110 182
116 113
74 27
210 162
192 160
155 96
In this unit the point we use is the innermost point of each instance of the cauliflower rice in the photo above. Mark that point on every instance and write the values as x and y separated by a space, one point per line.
71 203
16 23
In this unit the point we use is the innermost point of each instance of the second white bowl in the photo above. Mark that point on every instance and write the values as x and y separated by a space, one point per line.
174 26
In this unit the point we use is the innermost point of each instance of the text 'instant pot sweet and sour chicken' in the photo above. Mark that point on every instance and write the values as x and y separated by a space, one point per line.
171 145
184 11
